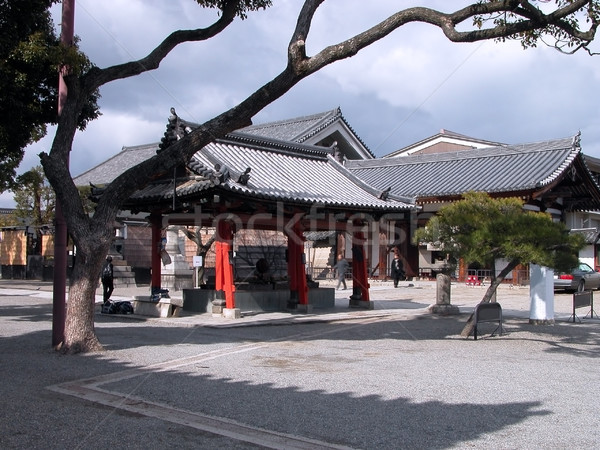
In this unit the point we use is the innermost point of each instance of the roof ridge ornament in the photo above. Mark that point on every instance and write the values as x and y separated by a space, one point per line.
336 152
176 129
221 174
245 177
576 144
385 194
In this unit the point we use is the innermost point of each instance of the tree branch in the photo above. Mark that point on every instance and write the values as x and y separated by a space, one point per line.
533 19
97 77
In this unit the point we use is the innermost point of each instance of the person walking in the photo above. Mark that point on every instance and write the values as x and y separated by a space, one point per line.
107 279
397 269
341 267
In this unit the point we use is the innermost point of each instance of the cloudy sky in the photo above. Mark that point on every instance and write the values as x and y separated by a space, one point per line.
399 91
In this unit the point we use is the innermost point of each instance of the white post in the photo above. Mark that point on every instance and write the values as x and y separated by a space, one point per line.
541 292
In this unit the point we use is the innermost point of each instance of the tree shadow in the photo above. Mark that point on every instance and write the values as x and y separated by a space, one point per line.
579 340
343 418
27 312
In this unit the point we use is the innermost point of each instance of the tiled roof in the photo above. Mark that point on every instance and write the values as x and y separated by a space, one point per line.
293 173
296 130
300 129
447 137
495 169
591 235
110 169
319 235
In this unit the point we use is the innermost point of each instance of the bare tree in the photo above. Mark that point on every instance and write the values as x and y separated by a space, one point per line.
202 248
480 20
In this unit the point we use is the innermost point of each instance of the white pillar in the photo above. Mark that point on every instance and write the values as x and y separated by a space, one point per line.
541 293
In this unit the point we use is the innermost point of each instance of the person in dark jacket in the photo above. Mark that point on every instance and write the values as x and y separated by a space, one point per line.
397 269
107 279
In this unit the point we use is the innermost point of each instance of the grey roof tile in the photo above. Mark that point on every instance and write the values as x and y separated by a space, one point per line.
301 129
465 140
493 169
110 169
294 174
591 235
297 129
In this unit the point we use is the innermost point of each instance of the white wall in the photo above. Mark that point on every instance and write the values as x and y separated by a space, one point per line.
586 255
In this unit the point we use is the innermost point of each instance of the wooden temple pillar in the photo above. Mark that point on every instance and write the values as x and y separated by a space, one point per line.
296 261
156 224
360 280
224 270
462 270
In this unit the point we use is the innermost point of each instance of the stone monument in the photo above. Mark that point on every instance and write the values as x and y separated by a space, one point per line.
178 274
442 302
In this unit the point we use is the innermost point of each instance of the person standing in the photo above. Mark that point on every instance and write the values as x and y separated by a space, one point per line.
341 267
397 269
107 279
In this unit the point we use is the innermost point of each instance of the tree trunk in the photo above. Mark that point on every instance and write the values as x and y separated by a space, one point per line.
489 295
80 334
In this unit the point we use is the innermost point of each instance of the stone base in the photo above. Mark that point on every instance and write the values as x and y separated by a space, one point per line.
181 279
232 313
541 321
361 304
444 309
203 300
165 307
304 308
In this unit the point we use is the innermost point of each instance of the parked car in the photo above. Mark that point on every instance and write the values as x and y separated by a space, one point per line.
582 278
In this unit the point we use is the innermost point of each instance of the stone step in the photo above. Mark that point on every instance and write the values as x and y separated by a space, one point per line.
119 263
124 275
124 282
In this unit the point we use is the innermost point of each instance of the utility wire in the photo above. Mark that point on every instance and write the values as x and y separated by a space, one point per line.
431 94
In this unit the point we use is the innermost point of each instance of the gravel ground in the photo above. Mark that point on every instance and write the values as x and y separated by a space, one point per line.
394 377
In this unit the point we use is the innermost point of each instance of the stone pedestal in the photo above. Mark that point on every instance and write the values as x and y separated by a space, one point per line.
442 300
304 308
356 303
232 313
218 304
165 307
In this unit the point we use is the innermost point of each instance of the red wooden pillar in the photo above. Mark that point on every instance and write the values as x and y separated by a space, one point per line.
156 224
291 266
360 284
462 270
296 268
223 266
301 268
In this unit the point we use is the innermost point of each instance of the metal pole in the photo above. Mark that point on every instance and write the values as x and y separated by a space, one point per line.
60 226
